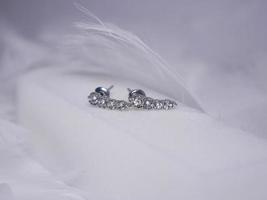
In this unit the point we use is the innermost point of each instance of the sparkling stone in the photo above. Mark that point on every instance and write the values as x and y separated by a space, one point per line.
102 102
93 98
122 105
158 104
136 100
148 103
171 105
112 104
166 104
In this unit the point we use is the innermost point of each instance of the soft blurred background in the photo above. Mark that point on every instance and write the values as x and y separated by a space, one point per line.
218 47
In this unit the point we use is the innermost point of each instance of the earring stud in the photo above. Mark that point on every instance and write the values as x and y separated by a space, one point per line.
104 91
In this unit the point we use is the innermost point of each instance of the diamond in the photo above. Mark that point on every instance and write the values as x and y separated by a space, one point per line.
158 104
93 98
102 102
148 103
168 104
136 100
112 104
122 105
172 104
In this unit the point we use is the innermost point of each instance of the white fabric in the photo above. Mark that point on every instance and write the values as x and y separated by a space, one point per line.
232 167
177 154
21 177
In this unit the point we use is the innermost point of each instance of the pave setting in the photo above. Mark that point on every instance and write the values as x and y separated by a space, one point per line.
103 101
136 101
142 102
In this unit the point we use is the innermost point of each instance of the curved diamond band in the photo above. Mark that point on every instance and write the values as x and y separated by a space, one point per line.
103 101
142 102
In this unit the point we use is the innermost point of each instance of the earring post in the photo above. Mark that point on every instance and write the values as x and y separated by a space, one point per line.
110 87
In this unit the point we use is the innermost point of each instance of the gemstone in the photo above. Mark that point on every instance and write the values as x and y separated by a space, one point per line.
112 104
122 105
168 104
102 102
93 98
158 104
148 103
136 100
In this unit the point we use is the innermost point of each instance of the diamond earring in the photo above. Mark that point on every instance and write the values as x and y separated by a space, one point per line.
138 99
101 98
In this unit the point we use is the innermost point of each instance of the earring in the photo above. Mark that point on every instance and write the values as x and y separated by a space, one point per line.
138 99
101 98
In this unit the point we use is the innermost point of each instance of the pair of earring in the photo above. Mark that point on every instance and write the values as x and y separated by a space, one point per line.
137 99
